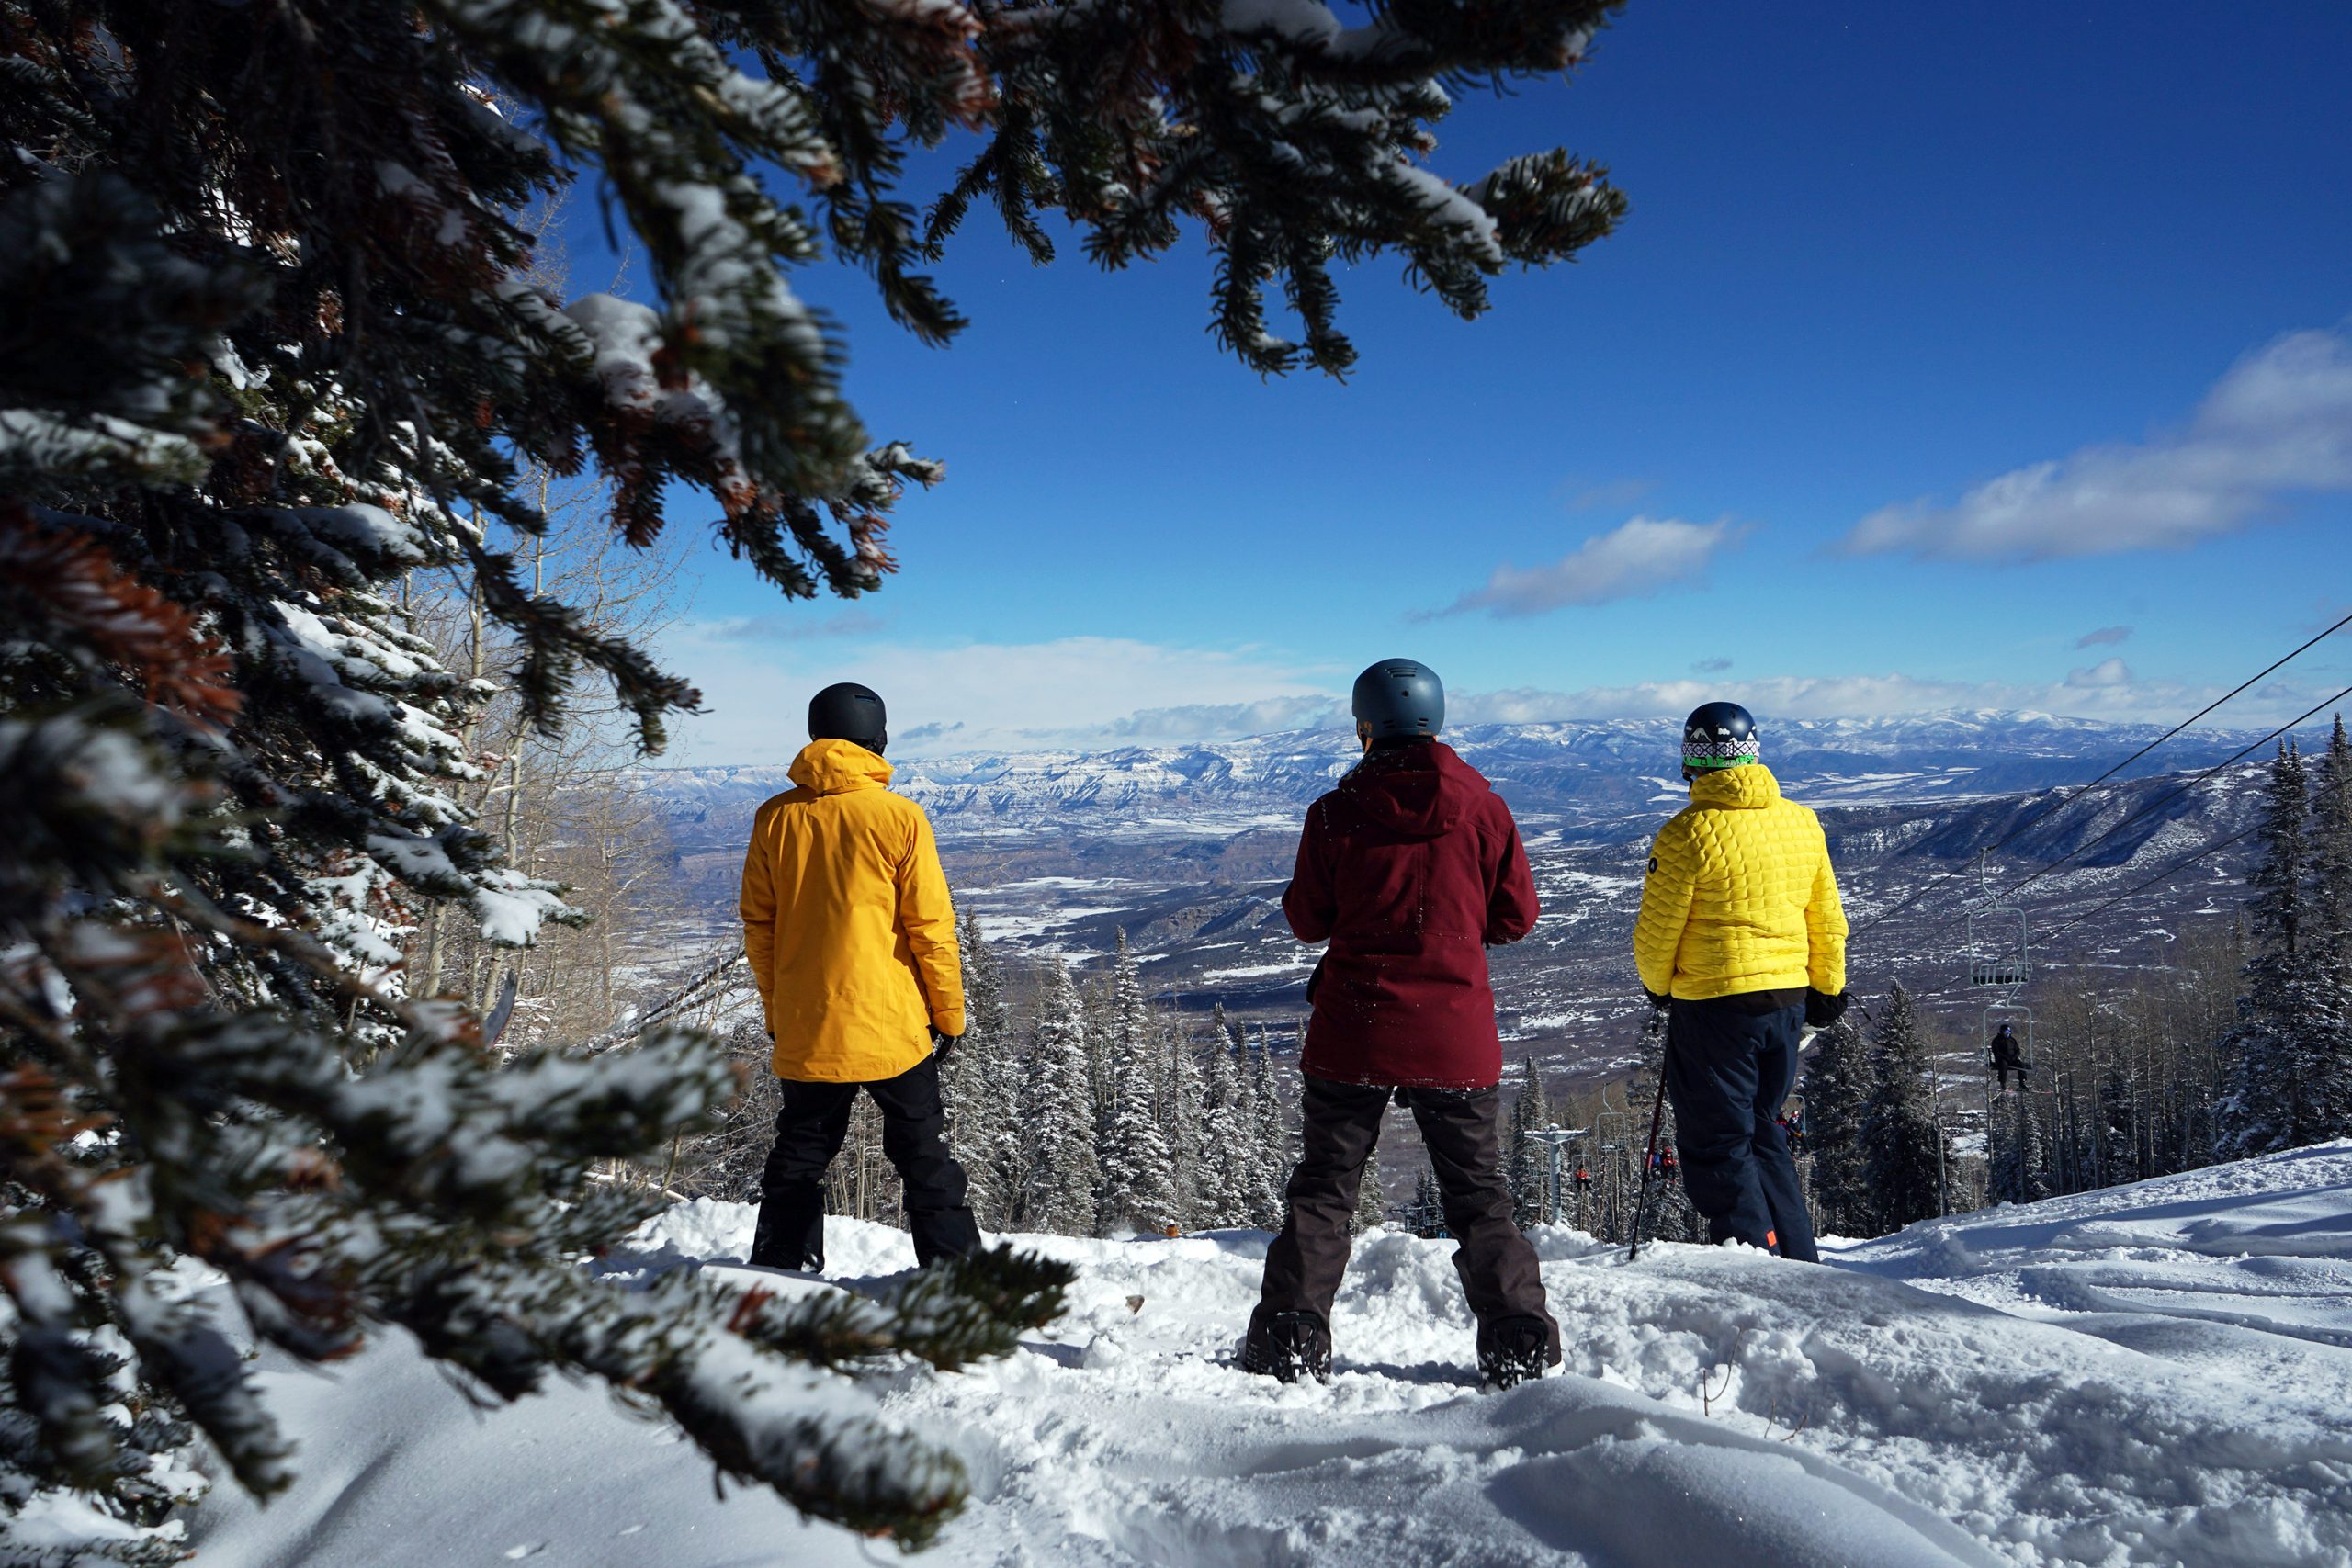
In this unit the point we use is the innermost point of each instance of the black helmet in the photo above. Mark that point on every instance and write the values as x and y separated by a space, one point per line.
849 712
1718 736
1398 697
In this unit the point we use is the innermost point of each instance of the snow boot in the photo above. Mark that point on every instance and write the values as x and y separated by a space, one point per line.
789 1238
1288 1346
1517 1350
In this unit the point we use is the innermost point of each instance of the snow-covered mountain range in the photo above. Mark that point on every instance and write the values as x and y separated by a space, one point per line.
1185 849
1578 773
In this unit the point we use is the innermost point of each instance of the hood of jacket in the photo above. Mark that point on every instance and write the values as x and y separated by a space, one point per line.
829 767
1749 787
1423 789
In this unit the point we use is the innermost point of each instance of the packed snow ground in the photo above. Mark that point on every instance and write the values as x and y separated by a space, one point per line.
2152 1374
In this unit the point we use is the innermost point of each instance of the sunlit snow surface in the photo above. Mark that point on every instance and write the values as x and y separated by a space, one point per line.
2156 1374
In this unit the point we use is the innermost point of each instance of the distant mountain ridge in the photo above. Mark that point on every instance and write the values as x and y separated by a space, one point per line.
1575 774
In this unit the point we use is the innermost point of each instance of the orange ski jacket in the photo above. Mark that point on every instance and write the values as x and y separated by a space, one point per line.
847 923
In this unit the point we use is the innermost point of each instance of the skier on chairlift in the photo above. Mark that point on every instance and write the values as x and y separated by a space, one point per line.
1792 1131
2009 1056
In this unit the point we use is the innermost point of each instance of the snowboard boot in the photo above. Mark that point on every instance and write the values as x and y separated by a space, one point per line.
1288 1346
1515 1351
789 1236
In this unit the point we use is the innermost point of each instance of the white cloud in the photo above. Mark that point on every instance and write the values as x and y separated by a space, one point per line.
802 626
2109 691
2278 424
1093 694
1265 717
2105 672
1078 690
1608 496
1634 560
2104 637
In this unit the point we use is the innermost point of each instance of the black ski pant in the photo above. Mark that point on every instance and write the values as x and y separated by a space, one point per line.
1729 1068
809 1133
1340 1125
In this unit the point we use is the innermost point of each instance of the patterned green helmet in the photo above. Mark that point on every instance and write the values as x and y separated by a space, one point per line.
1718 736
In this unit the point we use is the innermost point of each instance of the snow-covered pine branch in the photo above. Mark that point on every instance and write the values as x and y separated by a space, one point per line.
270 356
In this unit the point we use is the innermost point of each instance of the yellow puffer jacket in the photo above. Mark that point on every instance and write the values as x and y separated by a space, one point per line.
847 923
1740 895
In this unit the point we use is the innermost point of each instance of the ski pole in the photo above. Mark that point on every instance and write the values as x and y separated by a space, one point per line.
1657 1117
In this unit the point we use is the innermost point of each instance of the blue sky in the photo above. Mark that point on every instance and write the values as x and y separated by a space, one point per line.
1984 281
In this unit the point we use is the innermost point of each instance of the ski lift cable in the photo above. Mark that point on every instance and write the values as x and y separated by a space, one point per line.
2173 794
2058 800
2181 864
2012 891
706 979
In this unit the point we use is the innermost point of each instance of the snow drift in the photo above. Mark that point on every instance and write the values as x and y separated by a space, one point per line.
2152 1375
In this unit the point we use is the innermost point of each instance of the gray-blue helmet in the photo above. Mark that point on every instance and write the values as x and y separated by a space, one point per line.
1399 698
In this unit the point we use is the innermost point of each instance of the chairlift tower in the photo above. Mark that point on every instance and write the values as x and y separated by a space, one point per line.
1554 1139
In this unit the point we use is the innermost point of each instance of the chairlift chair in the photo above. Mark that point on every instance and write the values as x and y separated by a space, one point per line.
2000 945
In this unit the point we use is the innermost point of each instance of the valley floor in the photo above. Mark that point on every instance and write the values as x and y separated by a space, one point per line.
2152 1374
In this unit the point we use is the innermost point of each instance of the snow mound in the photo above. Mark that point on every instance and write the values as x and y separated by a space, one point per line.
2154 1374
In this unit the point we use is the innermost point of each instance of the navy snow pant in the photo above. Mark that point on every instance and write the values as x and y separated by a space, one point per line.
809 1133
1729 1069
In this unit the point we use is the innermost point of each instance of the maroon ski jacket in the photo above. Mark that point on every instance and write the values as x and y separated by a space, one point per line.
1412 868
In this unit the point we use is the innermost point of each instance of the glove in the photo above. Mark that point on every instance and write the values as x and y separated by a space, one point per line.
1658 1001
1822 1010
943 1044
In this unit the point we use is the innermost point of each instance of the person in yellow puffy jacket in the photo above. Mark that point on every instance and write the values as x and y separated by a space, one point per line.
851 937
1742 938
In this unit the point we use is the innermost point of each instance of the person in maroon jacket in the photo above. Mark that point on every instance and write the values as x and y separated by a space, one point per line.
1410 868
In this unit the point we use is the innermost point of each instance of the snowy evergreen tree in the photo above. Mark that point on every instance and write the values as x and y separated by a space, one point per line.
1671 1217
2277 1090
2021 1151
2331 835
1062 1174
1270 1143
1132 1159
1840 1085
1229 1128
1184 1112
265 347
1900 1137
2332 977
983 1078
1426 1216
1371 1204
1526 1161
2118 1129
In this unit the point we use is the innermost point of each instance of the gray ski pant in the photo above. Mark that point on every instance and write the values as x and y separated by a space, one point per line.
1341 1122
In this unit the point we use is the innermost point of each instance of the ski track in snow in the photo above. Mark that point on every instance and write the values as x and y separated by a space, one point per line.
2152 1374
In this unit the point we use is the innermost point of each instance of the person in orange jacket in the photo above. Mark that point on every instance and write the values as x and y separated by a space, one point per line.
851 937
